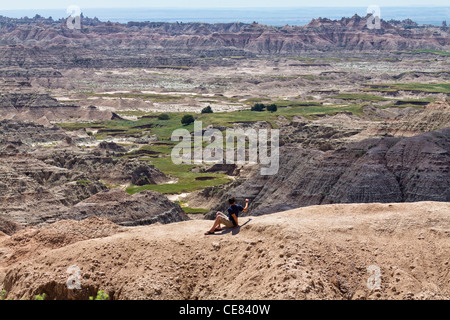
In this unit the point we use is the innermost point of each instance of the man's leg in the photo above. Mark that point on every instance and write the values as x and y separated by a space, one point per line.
219 219
216 223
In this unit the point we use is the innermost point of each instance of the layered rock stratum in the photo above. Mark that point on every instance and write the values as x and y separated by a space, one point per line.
63 204
38 44
400 167
35 106
41 185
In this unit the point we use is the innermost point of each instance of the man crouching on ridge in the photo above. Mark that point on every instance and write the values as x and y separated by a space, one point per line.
230 221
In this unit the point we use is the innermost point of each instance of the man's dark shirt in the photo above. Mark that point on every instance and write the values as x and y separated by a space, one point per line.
234 209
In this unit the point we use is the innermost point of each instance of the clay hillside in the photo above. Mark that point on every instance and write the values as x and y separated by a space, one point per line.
319 252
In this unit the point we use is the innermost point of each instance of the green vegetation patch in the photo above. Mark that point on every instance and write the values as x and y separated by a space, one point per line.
83 182
158 153
358 96
415 87
189 210
419 51
285 103
172 67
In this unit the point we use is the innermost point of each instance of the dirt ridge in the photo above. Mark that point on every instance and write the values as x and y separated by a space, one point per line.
318 252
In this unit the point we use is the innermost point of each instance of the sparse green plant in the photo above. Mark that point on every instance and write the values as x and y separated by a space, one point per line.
207 110
83 182
163 116
101 295
360 153
3 295
187 120
40 296
258 107
272 108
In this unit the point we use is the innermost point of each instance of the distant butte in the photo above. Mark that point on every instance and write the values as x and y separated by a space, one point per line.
40 42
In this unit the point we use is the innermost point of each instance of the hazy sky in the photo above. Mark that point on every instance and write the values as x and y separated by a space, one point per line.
56 4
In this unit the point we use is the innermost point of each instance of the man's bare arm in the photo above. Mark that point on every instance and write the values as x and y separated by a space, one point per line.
246 205
235 219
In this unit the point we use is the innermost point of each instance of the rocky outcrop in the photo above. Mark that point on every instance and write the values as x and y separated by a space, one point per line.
324 134
387 169
33 106
34 192
109 169
28 133
30 73
43 174
26 45
144 208
29 183
111 146
319 252
435 115
8 227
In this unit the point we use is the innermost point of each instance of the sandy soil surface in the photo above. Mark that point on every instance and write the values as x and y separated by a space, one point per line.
356 251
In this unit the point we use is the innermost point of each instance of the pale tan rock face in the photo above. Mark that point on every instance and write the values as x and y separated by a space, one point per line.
355 251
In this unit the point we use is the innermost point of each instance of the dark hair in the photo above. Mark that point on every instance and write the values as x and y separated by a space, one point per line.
232 200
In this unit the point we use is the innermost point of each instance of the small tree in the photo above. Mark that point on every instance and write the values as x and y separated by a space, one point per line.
272 108
207 110
258 107
187 120
163 116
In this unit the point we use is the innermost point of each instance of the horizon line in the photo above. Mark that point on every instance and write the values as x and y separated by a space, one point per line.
250 7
